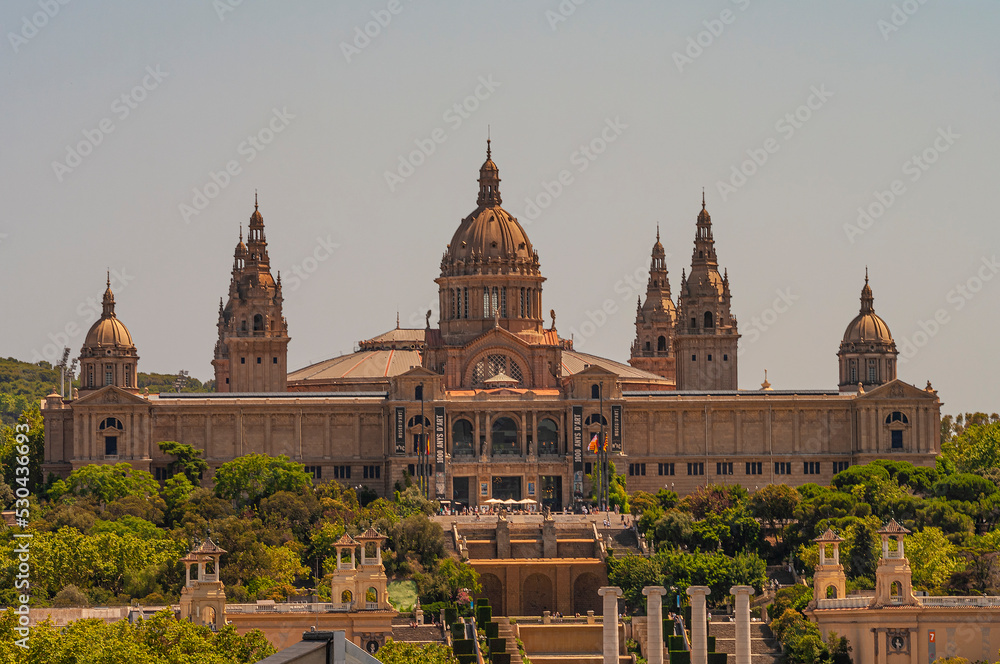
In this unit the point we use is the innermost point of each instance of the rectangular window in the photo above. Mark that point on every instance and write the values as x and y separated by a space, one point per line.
694 358
90 376
839 466
503 302
782 468
588 468
161 474
373 472
637 469
725 357
411 470
465 298
274 360
342 472
709 357
665 468
872 371
810 467
109 376
724 468
243 360
315 471
128 375
696 468
258 360
755 467
111 445
897 440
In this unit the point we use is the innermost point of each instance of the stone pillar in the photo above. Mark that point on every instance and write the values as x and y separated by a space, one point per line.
742 594
611 595
654 623
699 627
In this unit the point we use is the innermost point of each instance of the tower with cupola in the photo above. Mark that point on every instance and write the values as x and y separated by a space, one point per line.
706 333
867 354
252 350
653 348
108 355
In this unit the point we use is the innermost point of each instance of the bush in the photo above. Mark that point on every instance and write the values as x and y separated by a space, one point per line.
70 596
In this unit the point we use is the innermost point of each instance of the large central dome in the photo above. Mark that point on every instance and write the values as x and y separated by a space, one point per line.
490 240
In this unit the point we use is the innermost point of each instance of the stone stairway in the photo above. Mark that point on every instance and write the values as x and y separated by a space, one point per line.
763 646
401 631
783 576
506 631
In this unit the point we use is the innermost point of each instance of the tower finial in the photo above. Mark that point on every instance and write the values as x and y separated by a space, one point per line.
397 319
255 198
241 225
866 274
488 141
109 278
702 198
657 231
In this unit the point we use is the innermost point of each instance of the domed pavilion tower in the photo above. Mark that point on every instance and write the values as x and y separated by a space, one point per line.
653 348
867 353
489 271
706 334
252 350
108 356
490 282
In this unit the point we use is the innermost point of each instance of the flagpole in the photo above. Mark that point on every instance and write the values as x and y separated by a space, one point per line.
421 470
602 448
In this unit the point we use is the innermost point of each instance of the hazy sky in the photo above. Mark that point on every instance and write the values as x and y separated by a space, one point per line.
117 114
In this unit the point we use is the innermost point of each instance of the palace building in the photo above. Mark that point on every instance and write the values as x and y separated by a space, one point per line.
506 405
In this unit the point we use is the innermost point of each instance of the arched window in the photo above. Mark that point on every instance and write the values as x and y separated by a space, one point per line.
709 321
831 592
896 416
371 596
548 437
111 428
415 430
596 419
258 323
418 393
595 391
494 365
661 344
461 438
897 423
505 441
346 597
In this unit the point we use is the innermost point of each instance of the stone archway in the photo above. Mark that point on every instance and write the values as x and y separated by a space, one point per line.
493 591
536 595
585 597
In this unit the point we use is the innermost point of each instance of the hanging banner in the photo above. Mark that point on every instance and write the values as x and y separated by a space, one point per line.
578 451
400 427
616 428
439 449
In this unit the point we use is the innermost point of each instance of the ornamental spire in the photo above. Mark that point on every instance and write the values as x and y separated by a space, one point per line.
489 180
109 300
867 298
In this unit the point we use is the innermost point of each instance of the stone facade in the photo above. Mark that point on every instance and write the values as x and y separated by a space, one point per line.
505 405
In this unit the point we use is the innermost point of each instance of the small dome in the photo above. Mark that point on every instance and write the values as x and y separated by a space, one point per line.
109 333
490 233
868 328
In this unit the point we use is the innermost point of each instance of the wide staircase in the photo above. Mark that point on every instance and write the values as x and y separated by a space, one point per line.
506 631
763 646
401 631
782 575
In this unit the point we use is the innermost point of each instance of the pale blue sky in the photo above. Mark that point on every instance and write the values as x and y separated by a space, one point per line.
887 95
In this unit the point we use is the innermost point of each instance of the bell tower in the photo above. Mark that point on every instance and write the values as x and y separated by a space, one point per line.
653 348
829 581
706 333
252 350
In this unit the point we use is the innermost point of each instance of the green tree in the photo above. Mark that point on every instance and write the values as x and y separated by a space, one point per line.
106 483
632 573
187 460
964 487
249 479
932 557
401 652
774 503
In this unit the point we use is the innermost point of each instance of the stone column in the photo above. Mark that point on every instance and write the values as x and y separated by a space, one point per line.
654 623
699 627
742 594
611 595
